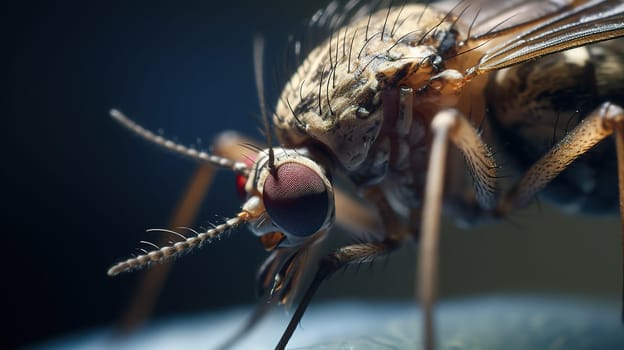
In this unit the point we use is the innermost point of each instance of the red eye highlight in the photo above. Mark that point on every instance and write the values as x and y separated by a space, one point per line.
296 199
241 180
240 187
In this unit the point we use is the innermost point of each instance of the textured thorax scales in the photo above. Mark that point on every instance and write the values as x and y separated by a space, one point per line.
338 93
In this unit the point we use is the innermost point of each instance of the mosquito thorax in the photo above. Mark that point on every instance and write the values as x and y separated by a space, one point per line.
293 193
337 97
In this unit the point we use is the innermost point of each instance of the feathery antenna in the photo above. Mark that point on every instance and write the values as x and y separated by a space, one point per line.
200 156
160 254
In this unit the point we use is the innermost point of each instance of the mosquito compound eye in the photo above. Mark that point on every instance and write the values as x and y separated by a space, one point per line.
296 199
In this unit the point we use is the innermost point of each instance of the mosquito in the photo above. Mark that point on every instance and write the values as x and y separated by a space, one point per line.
383 104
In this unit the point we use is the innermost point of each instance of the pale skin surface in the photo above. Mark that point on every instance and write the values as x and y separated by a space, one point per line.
336 101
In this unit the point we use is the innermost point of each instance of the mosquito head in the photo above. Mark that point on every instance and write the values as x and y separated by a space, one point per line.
296 195
287 195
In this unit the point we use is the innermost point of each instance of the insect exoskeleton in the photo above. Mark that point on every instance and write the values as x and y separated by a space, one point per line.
366 96
535 104
379 103
292 195
335 96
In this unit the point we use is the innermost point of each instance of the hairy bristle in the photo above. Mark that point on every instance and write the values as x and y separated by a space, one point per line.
161 254
175 147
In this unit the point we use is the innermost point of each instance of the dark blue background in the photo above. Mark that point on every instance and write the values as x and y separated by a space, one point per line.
79 191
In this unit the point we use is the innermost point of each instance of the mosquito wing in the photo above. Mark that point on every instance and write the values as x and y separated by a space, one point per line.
524 30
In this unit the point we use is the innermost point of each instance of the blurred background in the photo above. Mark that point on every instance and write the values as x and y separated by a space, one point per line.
79 191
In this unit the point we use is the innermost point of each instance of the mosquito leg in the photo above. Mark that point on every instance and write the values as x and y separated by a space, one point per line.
184 215
151 283
370 222
353 215
619 144
265 278
606 120
600 124
350 214
351 254
447 125
388 218
260 311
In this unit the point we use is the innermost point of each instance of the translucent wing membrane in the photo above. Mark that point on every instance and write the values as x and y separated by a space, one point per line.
287 189
491 17
589 23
